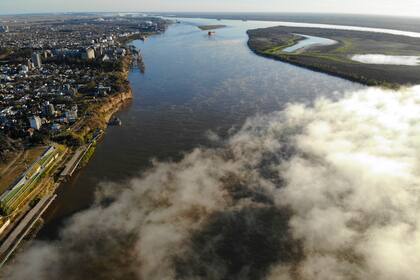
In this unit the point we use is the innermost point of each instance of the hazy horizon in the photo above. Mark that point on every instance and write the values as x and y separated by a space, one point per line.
375 7
199 13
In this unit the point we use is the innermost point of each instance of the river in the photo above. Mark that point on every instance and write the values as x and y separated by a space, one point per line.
193 84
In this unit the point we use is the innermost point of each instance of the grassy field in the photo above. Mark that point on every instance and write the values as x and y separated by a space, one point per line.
336 59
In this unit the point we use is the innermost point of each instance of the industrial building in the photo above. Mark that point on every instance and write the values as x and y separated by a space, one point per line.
21 191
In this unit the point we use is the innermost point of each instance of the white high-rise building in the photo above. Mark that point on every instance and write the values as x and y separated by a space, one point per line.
36 60
35 122
88 54
71 115
4 29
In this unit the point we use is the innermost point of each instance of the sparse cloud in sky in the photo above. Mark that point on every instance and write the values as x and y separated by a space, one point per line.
387 7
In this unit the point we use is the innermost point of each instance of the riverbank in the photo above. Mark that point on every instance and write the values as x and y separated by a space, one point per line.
98 116
336 59
47 178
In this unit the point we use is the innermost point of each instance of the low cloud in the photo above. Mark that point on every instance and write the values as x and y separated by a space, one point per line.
328 191
353 186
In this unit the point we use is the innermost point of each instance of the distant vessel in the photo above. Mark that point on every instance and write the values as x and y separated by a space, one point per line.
115 122
211 33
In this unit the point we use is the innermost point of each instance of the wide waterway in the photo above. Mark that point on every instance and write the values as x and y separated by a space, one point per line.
193 84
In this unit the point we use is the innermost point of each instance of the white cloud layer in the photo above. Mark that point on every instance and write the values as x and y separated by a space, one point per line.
346 173
354 186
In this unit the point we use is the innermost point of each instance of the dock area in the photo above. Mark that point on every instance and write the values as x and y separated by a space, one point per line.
72 165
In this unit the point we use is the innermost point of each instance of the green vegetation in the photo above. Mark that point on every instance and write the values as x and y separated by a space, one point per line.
105 66
8 145
69 138
15 55
88 155
34 202
96 112
5 52
119 81
140 36
336 59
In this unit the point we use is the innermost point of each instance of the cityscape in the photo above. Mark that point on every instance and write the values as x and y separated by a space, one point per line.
55 73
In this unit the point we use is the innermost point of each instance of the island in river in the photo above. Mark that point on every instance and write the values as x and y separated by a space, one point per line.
338 59
211 27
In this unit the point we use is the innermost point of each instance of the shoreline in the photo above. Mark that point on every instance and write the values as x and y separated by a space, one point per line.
318 70
101 114
105 111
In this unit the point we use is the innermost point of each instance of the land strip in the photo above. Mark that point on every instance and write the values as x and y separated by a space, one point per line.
336 59
211 27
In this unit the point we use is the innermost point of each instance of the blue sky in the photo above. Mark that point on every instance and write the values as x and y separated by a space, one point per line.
389 7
